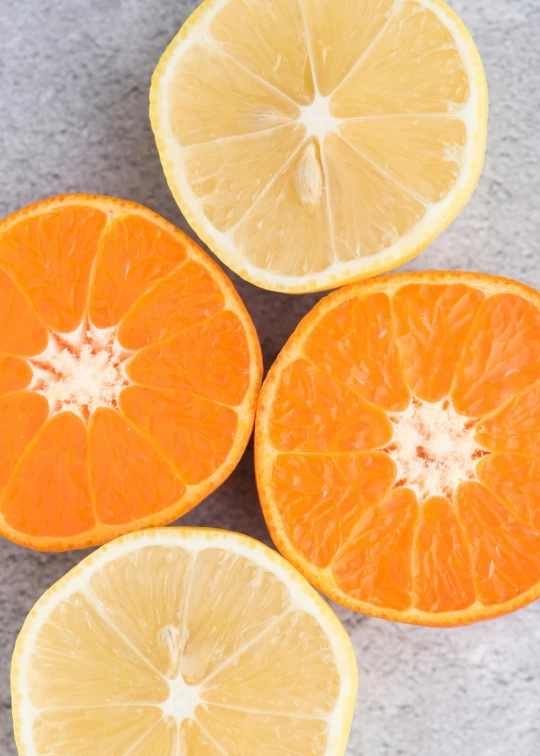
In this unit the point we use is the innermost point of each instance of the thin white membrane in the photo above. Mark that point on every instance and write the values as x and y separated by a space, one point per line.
366 52
319 122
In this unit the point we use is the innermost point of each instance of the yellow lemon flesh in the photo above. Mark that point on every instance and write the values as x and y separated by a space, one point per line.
183 642
311 143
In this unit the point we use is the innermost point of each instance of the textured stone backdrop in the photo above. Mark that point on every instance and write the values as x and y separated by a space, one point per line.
74 78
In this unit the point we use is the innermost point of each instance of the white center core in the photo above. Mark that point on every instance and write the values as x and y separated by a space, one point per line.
434 448
81 371
183 700
318 119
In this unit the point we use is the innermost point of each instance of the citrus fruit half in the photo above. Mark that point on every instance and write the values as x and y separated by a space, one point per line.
183 642
398 447
311 143
129 372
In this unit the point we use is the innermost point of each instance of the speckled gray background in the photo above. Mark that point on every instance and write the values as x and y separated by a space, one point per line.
74 78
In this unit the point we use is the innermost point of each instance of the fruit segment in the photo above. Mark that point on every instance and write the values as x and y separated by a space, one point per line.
276 673
133 255
180 363
157 316
268 41
312 412
356 344
427 157
14 374
291 219
50 256
215 82
375 563
515 481
21 331
144 596
341 33
413 66
229 175
244 733
251 598
194 739
129 478
49 491
431 325
107 669
333 491
161 740
505 551
72 732
22 415
369 211
501 357
515 427
195 435
442 579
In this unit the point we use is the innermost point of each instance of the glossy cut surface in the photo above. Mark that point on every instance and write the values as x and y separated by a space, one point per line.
398 437
183 642
129 370
315 142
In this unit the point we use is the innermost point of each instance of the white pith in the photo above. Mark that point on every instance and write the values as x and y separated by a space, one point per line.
318 123
81 371
433 448
318 119
182 702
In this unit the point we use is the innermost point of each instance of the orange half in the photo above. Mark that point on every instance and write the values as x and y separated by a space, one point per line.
398 447
129 372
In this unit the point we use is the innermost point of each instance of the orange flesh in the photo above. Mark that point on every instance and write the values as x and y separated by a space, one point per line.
398 443
128 372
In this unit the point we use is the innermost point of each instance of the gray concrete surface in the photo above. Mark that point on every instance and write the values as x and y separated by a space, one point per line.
74 77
